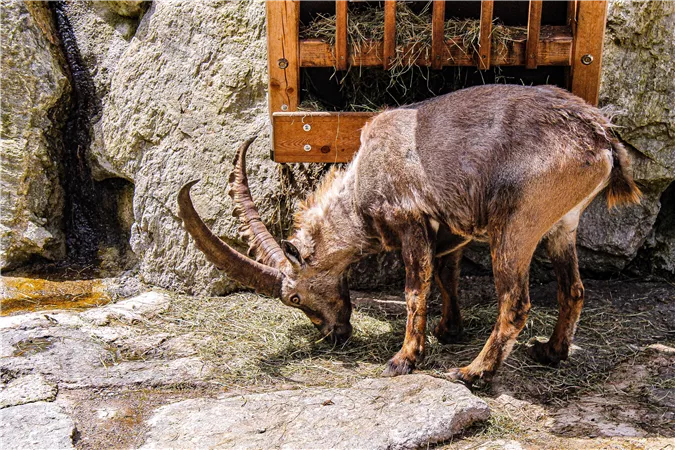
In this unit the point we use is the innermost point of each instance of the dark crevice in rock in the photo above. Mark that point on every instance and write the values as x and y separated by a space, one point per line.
657 256
95 213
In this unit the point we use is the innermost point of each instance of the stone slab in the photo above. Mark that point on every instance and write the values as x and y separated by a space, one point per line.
382 413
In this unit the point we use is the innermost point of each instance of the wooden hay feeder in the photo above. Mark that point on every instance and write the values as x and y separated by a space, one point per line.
301 136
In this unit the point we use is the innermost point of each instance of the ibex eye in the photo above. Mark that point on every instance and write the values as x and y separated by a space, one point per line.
295 299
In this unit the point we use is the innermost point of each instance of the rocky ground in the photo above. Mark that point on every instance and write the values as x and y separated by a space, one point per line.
159 370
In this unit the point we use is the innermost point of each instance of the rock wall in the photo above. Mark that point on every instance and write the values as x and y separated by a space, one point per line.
35 90
182 83
638 85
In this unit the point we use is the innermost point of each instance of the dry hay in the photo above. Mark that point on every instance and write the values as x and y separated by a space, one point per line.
413 32
256 343
403 83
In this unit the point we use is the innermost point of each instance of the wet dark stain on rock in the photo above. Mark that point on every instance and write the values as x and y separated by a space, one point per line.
91 219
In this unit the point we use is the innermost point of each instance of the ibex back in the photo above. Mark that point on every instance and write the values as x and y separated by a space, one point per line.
510 165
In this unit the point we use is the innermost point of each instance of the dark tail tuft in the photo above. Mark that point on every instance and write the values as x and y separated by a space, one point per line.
622 189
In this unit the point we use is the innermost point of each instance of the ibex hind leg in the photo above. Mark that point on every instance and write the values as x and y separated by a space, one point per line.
512 247
449 328
561 246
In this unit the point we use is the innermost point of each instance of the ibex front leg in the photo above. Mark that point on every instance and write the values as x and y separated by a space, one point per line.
418 255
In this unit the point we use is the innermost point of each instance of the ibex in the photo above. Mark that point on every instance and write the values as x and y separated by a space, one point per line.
510 165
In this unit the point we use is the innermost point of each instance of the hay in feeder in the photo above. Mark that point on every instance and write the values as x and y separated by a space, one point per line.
413 32
403 83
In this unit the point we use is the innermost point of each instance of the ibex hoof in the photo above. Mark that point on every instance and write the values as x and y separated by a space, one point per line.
460 376
449 334
541 352
398 366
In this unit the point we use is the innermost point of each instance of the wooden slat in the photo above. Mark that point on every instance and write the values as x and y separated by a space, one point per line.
283 20
533 27
341 34
554 49
437 34
485 38
389 33
333 137
590 33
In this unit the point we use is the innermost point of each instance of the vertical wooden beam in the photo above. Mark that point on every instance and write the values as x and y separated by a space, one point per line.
587 52
389 33
437 33
572 13
485 38
341 34
283 21
533 28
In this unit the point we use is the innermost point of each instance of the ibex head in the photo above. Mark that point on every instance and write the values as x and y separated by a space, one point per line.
278 271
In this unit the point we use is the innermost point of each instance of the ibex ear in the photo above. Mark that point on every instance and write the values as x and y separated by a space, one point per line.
292 254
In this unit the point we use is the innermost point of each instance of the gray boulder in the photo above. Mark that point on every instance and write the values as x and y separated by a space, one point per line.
27 389
384 413
35 90
177 99
638 86
36 426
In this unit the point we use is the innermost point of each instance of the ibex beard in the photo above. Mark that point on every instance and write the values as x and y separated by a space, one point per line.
510 165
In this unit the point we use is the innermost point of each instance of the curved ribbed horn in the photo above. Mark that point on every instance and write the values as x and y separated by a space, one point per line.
261 244
265 280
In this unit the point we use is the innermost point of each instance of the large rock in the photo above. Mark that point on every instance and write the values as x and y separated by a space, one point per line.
35 89
27 389
36 426
637 76
98 348
385 413
638 85
177 100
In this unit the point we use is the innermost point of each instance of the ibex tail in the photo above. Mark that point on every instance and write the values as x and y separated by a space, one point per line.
622 189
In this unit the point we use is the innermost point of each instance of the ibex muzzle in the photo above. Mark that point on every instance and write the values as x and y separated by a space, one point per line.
510 165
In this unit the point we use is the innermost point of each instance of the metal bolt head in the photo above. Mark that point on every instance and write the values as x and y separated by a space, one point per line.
307 147
283 63
284 107
306 127
586 59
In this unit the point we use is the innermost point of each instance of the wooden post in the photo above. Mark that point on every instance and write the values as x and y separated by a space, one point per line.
389 33
283 21
533 28
437 34
485 38
341 34
587 52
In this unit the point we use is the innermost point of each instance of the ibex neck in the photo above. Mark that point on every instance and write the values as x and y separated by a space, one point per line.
330 227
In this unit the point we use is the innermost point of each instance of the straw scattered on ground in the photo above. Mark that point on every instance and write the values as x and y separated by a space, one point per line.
255 342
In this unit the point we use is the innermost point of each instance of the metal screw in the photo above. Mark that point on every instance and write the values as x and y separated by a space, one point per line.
325 149
284 107
307 147
283 63
586 59
306 127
